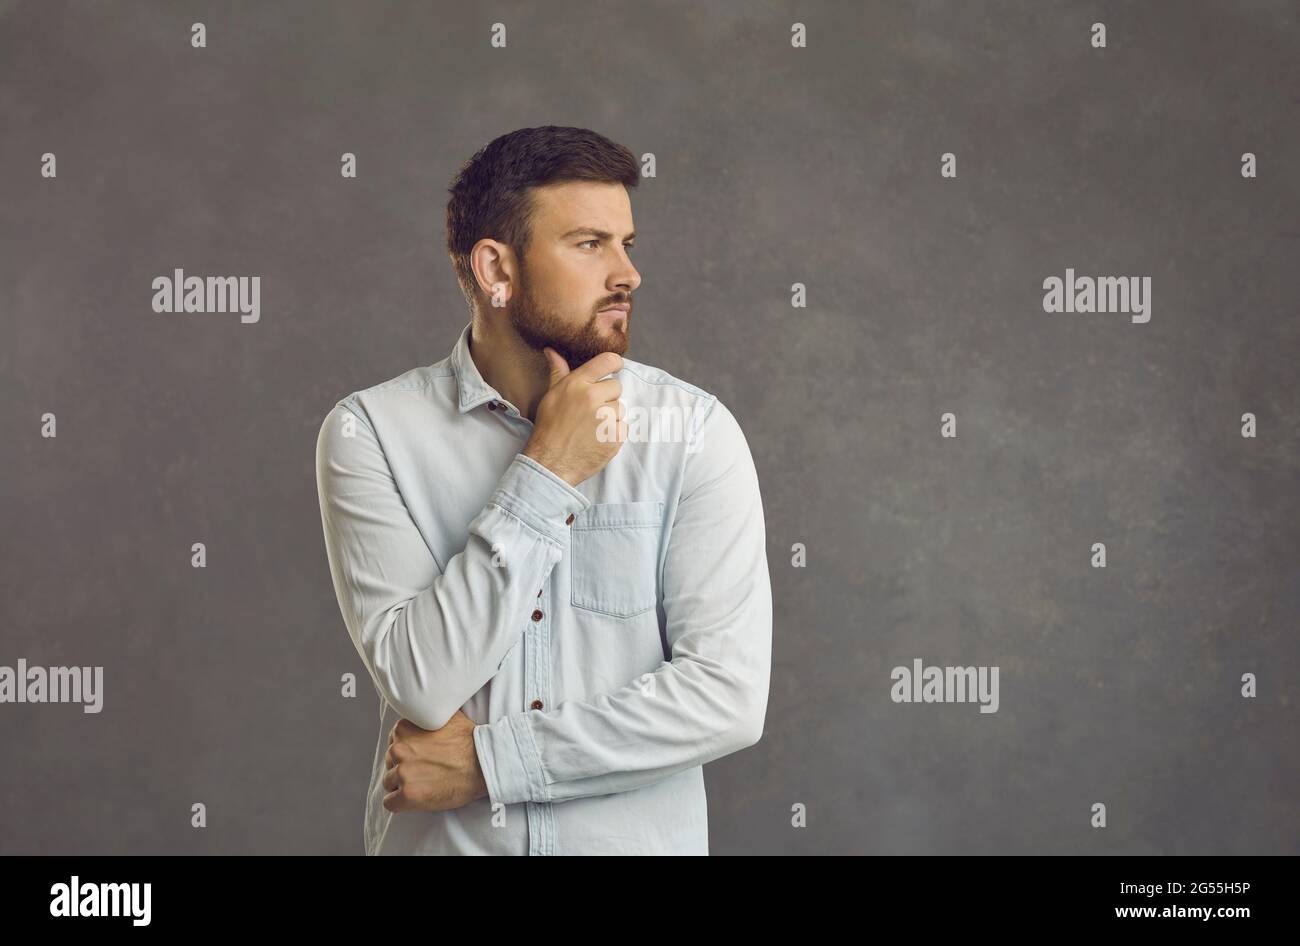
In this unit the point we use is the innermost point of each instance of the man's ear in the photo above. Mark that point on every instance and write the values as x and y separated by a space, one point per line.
494 270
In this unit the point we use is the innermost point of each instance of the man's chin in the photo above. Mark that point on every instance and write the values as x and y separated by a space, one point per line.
577 358
615 337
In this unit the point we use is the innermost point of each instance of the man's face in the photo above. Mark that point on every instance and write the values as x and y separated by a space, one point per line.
577 268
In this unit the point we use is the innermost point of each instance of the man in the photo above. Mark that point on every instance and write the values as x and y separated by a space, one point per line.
550 558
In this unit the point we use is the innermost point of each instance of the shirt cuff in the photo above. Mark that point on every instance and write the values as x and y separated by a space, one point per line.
540 498
511 764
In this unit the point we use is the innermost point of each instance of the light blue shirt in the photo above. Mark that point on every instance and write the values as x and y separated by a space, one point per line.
609 639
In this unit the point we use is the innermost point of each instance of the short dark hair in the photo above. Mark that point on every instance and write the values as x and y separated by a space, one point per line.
491 198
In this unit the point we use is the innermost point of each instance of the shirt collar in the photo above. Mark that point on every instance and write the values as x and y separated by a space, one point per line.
472 390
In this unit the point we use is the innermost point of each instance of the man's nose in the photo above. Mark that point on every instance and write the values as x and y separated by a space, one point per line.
624 276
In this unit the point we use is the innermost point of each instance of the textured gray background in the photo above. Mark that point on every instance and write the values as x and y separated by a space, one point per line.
775 165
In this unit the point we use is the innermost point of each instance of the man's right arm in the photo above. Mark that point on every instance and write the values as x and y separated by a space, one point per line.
431 639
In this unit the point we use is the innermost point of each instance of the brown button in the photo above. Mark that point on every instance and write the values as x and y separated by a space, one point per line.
537 615
492 405
535 704
569 521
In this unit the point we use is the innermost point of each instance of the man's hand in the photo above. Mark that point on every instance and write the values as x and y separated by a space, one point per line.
432 770
567 434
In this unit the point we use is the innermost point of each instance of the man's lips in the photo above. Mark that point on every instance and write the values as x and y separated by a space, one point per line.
623 308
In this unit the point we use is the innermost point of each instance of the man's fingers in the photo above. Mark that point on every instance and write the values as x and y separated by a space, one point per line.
608 390
390 780
394 801
398 752
607 362
404 729
557 365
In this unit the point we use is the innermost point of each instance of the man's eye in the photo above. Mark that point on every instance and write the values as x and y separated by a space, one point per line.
595 242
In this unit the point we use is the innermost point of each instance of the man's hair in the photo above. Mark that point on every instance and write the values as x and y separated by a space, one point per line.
490 195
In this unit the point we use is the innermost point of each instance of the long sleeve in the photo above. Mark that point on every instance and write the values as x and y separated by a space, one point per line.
432 639
711 699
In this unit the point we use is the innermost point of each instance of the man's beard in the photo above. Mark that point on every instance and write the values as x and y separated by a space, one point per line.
540 327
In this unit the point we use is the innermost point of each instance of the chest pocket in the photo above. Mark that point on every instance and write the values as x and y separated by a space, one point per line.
614 554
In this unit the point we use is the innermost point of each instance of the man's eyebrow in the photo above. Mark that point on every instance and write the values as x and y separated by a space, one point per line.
602 234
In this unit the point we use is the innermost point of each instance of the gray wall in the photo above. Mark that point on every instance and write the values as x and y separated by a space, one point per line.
775 165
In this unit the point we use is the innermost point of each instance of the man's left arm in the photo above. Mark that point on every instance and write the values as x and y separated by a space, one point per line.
711 699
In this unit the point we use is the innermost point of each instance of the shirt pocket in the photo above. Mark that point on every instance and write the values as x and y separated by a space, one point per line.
614 556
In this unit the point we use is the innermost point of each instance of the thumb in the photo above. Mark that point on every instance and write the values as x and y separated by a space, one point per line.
559 367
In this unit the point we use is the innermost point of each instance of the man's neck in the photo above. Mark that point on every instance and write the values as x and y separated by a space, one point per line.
519 374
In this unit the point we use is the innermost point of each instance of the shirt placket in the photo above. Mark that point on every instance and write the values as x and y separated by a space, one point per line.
537 684
537 694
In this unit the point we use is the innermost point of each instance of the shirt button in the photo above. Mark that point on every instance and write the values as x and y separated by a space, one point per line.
535 704
569 521
537 615
539 592
492 405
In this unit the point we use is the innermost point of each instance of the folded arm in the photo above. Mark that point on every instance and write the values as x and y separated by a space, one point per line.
711 699
432 638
